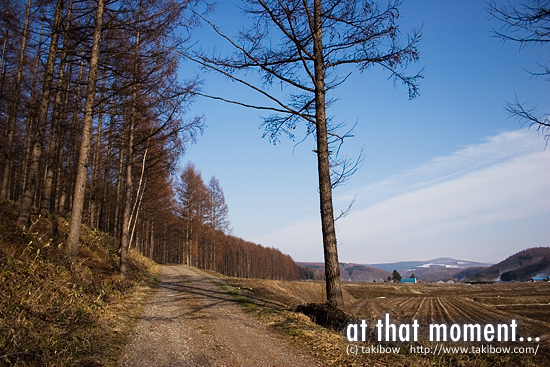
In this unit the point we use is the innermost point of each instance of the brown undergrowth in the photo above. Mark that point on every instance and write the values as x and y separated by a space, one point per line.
51 316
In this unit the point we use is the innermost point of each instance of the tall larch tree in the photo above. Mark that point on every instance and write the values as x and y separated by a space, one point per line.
73 237
298 45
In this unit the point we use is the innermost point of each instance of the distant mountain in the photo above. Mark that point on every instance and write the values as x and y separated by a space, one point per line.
349 272
528 263
521 266
436 269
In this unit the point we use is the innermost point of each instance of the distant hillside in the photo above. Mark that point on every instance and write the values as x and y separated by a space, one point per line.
442 262
436 269
470 273
527 263
521 266
349 272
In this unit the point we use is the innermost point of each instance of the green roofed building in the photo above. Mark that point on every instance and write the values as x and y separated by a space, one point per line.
408 280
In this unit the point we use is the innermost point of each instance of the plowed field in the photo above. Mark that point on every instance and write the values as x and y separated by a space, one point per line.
527 303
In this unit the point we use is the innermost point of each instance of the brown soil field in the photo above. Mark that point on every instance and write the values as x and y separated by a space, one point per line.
527 303
275 302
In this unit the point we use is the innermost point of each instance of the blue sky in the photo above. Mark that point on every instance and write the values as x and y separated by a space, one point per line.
446 174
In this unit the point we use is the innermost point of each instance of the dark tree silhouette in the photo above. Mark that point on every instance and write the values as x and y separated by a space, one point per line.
396 276
528 24
300 45
88 91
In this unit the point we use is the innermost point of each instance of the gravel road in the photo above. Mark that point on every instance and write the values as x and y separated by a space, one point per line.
189 321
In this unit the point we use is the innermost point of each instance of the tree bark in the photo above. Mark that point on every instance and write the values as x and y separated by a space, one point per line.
2 60
126 215
82 171
332 268
95 169
139 196
46 202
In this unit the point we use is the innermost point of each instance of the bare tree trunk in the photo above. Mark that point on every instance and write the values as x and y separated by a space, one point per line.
2 60
139 195
152 241
30 110
71 158
120 180
125 237
13 110
46 202
38 140
59 187
133 217
106 225
332 268
95 169
82 171
126 216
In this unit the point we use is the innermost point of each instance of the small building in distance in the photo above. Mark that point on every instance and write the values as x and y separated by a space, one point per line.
408 280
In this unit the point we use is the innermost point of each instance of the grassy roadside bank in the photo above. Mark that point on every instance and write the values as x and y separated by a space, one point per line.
50 316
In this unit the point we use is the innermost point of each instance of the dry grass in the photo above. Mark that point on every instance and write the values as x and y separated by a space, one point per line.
50 316
274 302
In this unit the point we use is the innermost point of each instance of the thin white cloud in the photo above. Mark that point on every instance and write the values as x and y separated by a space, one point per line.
483 202
496 149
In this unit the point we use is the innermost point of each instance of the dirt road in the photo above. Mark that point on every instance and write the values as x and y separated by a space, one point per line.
189 321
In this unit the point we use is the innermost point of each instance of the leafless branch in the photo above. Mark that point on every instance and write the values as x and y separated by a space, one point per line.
526 25
344 213
528 116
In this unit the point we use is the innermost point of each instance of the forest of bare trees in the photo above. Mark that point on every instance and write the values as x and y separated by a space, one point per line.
93 123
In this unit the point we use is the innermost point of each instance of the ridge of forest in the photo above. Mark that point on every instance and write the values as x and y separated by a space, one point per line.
200 236
520 266
348 272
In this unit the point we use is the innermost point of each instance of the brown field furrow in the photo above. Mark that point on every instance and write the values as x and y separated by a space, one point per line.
535 312
456 306
447 315
376 309
415 315
432 310
475 311
444 316
411 308
527 303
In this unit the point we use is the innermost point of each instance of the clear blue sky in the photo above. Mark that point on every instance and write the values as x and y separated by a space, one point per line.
446 174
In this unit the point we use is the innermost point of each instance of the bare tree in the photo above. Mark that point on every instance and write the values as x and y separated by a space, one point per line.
217 212
300 45
193 201
217 220
528 24
85 144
